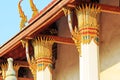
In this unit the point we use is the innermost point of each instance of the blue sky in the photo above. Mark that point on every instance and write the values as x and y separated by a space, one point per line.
9 16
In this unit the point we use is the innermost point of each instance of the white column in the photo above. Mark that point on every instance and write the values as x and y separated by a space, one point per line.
89 64
88 46
86 39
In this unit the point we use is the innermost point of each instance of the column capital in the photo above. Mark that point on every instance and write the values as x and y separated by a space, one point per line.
87 28
42 47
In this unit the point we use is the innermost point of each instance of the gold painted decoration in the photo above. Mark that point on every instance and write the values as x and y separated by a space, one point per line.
33 7
22 16
43 52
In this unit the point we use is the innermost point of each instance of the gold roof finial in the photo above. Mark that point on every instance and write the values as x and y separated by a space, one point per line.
23 20
22 16
33 7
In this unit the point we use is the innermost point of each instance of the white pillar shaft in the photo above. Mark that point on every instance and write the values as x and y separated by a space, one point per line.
89 64
44 74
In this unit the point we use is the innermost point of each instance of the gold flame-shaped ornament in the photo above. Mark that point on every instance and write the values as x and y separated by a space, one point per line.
22 16
33 7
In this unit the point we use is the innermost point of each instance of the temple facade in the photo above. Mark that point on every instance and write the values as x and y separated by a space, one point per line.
67 40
